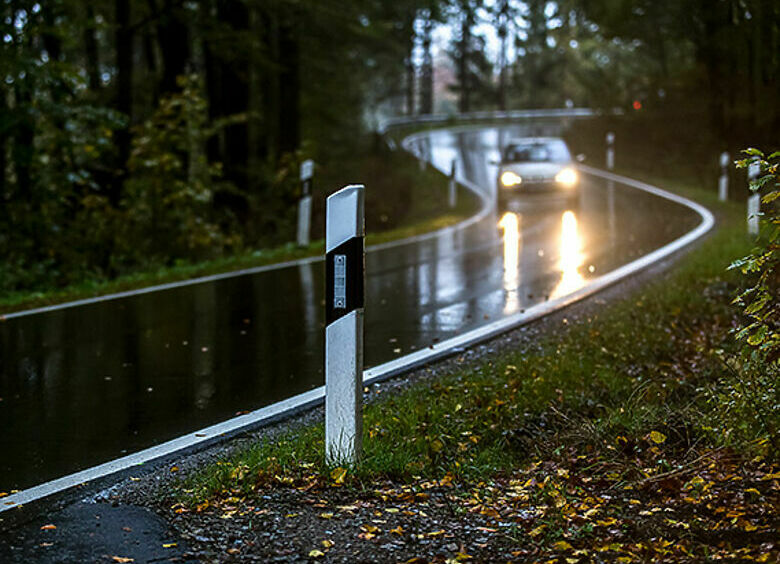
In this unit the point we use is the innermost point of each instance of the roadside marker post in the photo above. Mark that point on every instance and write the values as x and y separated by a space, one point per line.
344 302
610 151
753 202
453 187
723 181
304 205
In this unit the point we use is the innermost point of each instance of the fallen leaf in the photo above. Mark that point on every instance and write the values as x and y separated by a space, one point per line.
327 543
657 437
48 527
562 545
169 545
316 553
122 559
338 475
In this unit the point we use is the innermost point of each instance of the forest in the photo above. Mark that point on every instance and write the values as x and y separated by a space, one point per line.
136 134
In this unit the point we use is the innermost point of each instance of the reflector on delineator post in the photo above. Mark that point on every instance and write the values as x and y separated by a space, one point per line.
344 301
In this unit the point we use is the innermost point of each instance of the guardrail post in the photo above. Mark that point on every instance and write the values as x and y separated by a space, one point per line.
452 185
344 300
304 205
753 202
723 181
610 151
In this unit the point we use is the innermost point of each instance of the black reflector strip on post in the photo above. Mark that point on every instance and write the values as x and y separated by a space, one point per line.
344 266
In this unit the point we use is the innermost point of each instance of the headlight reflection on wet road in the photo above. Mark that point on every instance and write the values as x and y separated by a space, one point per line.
571 257
510 224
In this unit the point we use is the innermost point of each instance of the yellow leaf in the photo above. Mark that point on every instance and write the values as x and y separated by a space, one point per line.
48 527
753 490
327 543
326 515
169 545
537 531
399 530
174 469
3 494
338 475
121 559
316 554
562 545
606 522
370 528
437 445
657 437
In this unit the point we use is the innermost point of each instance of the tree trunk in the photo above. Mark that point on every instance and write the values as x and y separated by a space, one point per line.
91 49
464 60
289 82
173 36
426 78
124 89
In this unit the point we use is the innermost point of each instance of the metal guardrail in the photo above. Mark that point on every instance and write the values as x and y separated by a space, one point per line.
386 124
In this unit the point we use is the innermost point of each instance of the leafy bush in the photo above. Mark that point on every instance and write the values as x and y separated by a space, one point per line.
748 394
167 206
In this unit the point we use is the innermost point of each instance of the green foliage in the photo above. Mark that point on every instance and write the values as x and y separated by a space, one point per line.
167 208
749 392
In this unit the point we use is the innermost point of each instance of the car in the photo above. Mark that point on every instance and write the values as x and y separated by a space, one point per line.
540 166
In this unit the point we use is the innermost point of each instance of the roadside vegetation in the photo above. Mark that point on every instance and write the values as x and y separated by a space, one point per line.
644 430
402 201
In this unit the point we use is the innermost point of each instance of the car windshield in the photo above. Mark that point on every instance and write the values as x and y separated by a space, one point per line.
537 152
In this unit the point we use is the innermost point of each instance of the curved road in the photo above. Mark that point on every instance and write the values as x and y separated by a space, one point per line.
83 385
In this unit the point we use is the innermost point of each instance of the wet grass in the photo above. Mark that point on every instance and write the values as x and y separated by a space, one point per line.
644 364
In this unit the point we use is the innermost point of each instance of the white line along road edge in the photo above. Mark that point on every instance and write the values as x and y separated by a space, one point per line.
316 396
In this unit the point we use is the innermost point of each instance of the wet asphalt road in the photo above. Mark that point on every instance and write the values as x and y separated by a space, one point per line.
84 385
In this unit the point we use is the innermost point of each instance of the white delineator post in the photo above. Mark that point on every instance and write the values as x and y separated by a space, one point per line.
304 205
610 151
453 186
344 300
723 181
753 202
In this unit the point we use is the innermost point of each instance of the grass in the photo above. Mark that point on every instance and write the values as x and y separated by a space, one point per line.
424 212
643 365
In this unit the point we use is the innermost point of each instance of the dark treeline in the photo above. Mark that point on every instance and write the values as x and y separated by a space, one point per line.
134 133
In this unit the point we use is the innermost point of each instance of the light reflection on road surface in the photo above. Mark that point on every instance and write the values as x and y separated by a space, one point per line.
571 257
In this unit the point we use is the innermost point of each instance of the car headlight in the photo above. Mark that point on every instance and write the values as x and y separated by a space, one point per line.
509 179
567 177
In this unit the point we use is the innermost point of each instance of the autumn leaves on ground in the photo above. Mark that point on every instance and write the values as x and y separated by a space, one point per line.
621 436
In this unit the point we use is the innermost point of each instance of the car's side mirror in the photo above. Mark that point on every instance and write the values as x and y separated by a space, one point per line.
580 158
